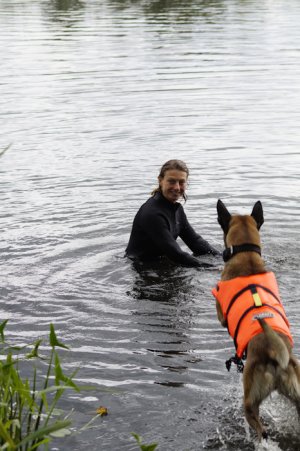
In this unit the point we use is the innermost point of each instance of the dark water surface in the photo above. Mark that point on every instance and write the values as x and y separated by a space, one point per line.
95 96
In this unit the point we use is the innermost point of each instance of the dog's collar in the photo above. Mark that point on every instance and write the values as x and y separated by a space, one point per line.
233 250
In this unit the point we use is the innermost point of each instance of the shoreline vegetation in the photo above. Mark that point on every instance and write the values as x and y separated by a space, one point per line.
29 416
28 405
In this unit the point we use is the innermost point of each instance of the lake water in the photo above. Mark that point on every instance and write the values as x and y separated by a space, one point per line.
95 96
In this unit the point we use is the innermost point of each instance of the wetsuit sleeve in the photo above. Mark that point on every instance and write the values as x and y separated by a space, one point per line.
156 227
194 241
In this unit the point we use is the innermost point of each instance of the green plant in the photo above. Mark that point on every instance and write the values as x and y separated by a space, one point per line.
143 447
28 405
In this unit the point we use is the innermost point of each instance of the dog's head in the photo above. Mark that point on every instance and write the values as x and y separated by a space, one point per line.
239 229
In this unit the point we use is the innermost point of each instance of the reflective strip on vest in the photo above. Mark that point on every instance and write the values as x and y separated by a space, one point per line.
243 298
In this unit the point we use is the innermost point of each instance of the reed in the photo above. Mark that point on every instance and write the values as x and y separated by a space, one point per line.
28 404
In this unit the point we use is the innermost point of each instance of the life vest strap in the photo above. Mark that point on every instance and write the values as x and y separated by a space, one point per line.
250 287
237 361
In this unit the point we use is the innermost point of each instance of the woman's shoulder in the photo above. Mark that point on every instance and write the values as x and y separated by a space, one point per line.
151 205
157 203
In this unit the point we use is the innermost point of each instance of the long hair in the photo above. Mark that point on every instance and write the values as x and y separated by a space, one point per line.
170 165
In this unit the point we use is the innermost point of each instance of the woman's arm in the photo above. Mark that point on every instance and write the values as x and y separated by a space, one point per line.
157 229
194 241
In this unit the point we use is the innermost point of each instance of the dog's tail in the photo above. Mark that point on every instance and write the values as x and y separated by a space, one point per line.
278 350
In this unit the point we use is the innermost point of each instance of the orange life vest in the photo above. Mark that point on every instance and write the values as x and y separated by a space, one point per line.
242 298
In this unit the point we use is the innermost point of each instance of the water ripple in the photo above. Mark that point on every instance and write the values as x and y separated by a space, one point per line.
95 96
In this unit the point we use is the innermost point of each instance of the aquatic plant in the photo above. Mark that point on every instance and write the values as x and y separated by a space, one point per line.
28 405
144 447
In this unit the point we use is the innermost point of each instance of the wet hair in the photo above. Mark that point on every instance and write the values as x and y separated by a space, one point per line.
170 165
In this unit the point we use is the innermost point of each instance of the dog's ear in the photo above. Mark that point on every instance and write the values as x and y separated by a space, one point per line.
224 216
258 214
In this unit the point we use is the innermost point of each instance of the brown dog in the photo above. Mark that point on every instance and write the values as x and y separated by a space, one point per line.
248 304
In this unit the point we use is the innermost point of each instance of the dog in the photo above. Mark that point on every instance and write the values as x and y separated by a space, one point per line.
249 305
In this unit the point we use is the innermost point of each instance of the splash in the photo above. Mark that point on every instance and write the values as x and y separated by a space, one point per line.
267 445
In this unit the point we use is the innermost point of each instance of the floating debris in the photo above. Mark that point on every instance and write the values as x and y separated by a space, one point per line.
102 411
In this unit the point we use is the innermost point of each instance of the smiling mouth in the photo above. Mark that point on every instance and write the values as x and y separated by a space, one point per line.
176 193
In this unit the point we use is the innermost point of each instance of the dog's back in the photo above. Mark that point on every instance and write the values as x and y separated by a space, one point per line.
270 363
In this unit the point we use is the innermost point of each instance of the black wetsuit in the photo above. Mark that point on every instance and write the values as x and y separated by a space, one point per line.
155 229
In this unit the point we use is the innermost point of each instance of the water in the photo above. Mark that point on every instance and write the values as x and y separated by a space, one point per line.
95 96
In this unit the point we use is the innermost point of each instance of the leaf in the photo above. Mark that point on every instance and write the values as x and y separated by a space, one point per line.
34 352
61 433
57 412
137 437
2 327
53 388
39 443
59 375
53 339
6 436
16 348
150 447
40 433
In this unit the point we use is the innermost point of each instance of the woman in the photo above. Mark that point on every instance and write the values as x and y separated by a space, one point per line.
161 220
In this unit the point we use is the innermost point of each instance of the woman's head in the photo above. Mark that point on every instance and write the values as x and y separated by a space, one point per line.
172 180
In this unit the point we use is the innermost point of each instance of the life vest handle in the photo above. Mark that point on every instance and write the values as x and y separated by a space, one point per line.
253 307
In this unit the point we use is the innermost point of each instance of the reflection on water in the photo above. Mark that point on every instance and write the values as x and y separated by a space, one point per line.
170 11
164 316
66 5
95 96
68 13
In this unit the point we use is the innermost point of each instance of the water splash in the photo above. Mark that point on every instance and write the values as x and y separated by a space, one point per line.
268 445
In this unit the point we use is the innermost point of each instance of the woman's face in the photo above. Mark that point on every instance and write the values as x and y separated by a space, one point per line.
173 184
